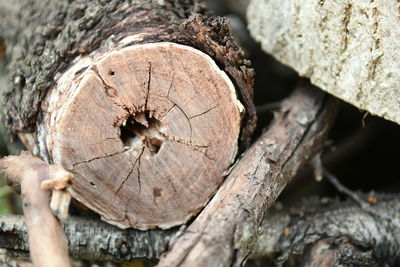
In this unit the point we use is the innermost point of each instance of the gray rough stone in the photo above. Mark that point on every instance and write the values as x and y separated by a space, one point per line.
349 48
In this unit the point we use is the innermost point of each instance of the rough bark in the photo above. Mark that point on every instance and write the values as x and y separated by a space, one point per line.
91 90
92 239
42 38
341 233
225 233
347 48
332 232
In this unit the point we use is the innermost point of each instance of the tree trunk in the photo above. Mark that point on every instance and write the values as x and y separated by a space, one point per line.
142 100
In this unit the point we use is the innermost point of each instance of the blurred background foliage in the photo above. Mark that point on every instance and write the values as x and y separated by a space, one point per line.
9 202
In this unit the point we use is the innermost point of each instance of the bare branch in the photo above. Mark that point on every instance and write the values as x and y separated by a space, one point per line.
339 231
47 242
93 239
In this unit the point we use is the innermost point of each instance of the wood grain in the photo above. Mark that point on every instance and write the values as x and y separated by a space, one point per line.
149 131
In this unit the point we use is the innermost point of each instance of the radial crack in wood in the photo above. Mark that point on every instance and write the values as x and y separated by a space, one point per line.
149 131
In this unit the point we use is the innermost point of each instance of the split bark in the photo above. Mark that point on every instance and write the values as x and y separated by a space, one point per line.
141 99
225 233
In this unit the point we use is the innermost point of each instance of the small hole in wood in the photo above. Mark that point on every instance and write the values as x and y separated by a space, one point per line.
111 73
154 144
128 135
92 184
142 129
156 192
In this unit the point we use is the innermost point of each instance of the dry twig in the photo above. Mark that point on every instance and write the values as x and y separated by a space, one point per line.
47 241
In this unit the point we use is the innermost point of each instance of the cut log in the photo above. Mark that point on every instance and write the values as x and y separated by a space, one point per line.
347 48
134 106
150 127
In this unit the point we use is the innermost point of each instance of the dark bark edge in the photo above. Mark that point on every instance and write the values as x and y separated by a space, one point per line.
58 32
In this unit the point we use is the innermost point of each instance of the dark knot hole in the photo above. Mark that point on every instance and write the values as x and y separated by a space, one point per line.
142 129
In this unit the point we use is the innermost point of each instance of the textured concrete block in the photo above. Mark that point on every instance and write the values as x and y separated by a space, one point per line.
349 48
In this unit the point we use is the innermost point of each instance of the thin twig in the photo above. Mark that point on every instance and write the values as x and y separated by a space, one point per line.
366 206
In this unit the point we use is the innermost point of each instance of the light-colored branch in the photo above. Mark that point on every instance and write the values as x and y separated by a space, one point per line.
47 241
